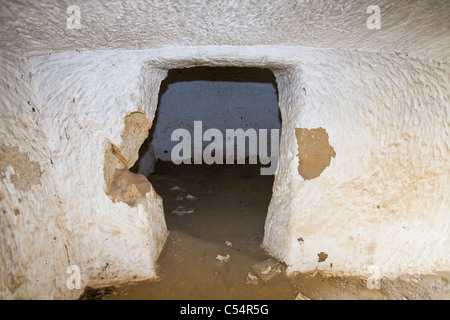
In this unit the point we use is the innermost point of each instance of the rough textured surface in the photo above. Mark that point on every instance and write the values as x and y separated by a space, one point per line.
124 156
33 235
24 174
382 201
314 152
129 187
68 219
417 28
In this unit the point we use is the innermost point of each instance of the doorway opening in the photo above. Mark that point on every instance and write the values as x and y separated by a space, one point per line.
215 211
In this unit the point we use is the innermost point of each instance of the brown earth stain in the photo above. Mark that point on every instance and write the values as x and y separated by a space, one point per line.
121 184
314 152
27 173
129 187
322 256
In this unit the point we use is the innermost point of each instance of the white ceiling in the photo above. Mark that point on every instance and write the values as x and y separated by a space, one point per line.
418 28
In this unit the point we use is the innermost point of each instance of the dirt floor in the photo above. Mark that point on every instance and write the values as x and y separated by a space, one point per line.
216 215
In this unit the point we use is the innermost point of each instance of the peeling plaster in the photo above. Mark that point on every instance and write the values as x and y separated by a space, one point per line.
24 173
314 152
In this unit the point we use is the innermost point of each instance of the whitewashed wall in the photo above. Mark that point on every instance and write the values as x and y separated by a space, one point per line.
381 201
32 222
68 219
381 95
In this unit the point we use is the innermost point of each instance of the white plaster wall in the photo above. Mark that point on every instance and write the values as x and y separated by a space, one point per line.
218 104
383 200
33 257
386 116
79 108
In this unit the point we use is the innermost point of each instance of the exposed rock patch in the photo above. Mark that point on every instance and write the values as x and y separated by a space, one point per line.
314 152
121 184
26 172
129 187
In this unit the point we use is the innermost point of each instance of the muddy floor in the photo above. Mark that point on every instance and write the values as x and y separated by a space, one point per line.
216 215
